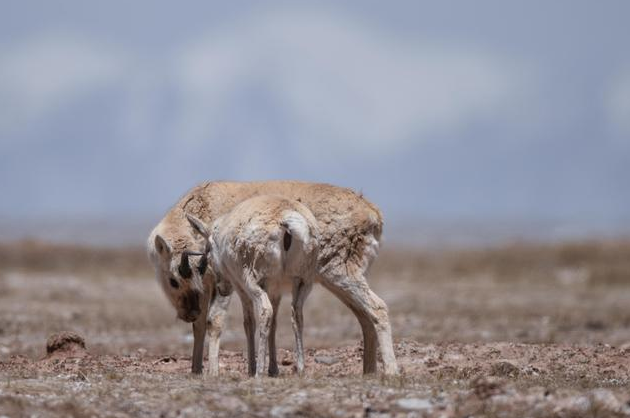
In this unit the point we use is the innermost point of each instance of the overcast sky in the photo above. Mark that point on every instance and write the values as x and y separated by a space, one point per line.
446 110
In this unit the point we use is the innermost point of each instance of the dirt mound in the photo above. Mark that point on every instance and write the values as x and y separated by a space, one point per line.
65 344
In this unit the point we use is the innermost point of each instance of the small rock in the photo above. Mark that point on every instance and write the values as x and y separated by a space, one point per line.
625 347
415 404
487 386
572 406
504 368
605 400
328 360
231 403
281 411
166 359
431 363
65 344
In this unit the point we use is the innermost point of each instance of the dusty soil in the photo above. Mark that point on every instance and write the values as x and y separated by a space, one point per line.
521 330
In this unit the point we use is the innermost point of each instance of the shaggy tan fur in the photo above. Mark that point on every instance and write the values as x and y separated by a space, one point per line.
350 229
265 244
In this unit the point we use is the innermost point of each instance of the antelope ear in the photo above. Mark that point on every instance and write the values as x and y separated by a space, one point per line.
162 247
198 226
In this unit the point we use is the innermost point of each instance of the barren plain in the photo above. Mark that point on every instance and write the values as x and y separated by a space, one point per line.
521 330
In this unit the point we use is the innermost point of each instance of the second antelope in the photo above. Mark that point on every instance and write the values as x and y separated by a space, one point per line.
263 245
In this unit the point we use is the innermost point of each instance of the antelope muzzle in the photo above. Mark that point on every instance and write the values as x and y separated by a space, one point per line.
189 308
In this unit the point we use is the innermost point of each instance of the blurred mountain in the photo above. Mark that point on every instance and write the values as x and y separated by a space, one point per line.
448 111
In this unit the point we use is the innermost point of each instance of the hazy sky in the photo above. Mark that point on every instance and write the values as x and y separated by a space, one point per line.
449 110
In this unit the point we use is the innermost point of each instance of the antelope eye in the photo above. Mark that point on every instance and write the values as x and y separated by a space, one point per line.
174 283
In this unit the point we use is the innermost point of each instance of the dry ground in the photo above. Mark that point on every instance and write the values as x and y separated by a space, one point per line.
520 330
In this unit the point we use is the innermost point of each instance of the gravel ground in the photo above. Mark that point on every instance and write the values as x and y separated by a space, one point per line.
516 331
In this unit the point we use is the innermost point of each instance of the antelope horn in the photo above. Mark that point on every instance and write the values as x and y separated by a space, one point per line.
184 265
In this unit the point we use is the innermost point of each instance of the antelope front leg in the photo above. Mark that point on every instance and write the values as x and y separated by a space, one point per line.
199 335
263 312
215 324
300 291
249 323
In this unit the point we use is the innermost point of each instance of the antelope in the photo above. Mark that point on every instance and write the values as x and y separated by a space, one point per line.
350 229
260 247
